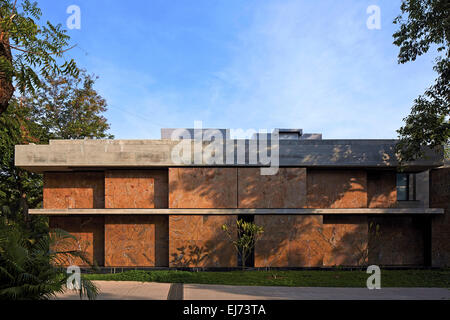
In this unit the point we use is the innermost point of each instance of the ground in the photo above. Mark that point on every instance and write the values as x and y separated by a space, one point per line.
134 290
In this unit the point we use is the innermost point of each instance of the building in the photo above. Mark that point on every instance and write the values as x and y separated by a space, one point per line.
130 203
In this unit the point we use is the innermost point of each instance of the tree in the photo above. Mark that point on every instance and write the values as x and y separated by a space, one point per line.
248 234
19 189
27 253
69 108
29 51
63 108
425 24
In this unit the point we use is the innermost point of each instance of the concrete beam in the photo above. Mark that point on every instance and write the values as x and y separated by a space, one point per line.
359 211
72 154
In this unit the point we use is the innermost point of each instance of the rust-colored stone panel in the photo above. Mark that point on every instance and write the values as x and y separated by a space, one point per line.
398 241
74 190
286 189
289 241
440 225
336 188
346 240
89 234
202 253
306 253
198 241
136 189
272 253
136 241
202 187
381 189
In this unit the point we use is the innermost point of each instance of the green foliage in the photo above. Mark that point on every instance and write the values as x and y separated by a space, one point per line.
68 108
424 24
55 102
31 268
29 50
63 108
18 188
248 234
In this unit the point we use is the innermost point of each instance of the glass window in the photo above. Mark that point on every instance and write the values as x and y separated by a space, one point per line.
402 186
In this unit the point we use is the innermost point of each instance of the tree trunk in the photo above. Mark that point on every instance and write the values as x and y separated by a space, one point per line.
24 205
6 86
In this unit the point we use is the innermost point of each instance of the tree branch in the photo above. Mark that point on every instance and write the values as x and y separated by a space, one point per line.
36 53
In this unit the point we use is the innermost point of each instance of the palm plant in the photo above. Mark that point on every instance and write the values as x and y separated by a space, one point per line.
33 268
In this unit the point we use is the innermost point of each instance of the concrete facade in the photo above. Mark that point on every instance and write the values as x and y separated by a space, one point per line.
331 203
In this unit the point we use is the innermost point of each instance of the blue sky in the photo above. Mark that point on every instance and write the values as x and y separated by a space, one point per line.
245 64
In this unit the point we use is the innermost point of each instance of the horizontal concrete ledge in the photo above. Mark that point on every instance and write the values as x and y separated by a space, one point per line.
77 154
363 211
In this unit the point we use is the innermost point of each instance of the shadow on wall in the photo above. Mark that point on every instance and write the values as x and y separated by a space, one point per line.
127 239
336 188
440 225
198 241
347 240
202 188
400 241
293 240
89 233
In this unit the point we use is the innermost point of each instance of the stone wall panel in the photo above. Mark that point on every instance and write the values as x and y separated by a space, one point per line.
346 240
399 241
336 188
381 189
440 225
286 189
136 189
74 190
198 241
89 234
289 241
136 241
202 188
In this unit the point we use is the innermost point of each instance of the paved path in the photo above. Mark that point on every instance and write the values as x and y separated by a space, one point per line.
125 290
131 290
219 292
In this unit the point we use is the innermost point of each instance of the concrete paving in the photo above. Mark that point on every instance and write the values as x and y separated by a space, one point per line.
131 290
124 290
220 292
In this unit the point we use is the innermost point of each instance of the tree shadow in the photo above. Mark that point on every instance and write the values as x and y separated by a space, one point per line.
136 240
89 234
303 240
198 241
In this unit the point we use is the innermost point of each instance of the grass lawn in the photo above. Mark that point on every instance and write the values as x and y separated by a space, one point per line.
303 278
